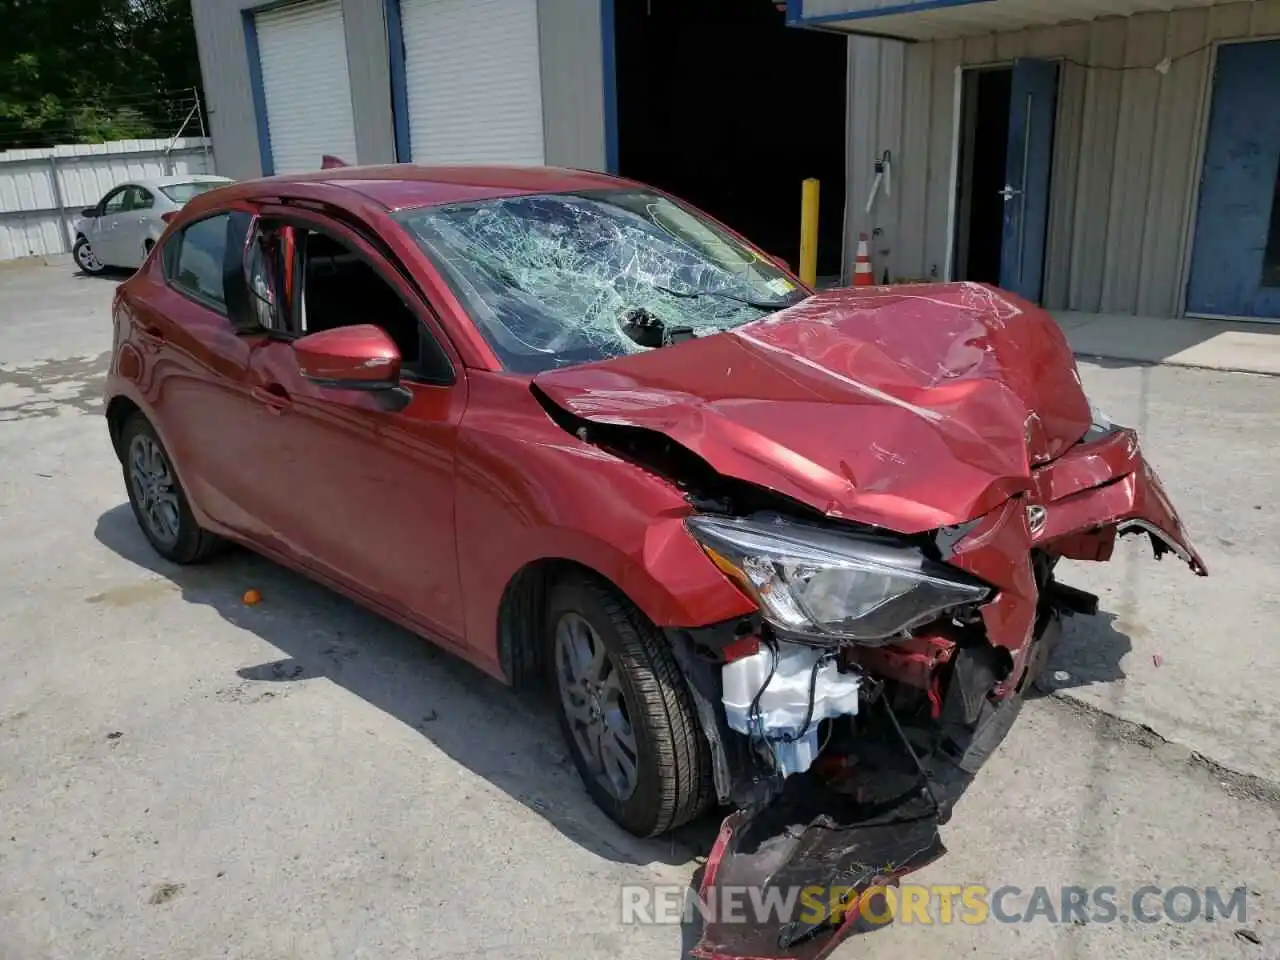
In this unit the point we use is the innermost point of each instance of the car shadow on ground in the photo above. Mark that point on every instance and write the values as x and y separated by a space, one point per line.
511 741
1090 652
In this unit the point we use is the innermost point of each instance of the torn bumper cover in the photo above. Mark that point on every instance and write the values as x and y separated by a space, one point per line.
820 853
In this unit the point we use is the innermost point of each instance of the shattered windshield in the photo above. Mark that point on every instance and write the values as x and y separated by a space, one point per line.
553 280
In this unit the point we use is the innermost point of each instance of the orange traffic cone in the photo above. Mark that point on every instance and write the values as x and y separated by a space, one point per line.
863 276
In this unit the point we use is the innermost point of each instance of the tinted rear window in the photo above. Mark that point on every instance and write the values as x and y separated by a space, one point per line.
182 192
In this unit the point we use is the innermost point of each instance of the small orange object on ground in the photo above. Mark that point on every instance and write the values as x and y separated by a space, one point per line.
252 596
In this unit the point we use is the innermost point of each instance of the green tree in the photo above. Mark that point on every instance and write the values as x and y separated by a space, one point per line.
84 71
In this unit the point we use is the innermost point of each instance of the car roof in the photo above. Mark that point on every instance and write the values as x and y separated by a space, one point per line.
403 185
175 179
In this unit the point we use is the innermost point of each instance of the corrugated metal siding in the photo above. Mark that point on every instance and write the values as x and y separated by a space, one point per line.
31 222
224 68
572 83
473 76
1126 161
303 49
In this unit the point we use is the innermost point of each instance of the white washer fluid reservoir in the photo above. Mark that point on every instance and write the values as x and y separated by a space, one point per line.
784 703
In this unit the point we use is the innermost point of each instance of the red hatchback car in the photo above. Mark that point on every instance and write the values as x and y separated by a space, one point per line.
786 551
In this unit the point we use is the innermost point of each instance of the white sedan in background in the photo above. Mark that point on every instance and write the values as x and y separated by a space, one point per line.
121 230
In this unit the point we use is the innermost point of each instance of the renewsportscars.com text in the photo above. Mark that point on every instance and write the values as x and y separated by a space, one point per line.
970 904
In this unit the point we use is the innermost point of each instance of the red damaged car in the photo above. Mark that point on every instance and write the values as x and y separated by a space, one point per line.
785 551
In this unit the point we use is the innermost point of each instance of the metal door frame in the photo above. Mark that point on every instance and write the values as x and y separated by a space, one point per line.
957 115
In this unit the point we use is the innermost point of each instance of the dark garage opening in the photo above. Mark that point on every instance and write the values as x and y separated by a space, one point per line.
722 104
984 147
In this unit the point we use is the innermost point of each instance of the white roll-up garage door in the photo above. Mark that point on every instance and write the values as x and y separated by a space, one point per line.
303 51
473 79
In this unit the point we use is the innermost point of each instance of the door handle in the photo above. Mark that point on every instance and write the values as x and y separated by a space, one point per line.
1008 193
273 396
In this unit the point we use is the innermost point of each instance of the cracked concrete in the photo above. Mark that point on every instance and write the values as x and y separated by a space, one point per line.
182 775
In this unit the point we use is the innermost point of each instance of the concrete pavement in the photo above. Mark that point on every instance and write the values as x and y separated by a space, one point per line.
184 776
1185 342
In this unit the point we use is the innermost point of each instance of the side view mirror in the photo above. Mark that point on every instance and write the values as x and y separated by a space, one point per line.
89 212
353 358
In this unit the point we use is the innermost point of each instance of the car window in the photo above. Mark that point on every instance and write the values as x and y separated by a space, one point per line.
114 202
182 192
302 280
139 199
553 280
196 266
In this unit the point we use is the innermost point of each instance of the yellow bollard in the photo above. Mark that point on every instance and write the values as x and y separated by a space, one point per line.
809 231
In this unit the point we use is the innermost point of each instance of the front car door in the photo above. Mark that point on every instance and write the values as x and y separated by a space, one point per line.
359 493
103 237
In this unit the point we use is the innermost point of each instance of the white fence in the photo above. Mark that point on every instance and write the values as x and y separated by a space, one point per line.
42 191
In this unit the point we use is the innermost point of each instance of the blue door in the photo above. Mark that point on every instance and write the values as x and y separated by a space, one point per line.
1235 264
1033 110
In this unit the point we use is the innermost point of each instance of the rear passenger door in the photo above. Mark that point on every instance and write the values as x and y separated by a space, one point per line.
132 225
197 357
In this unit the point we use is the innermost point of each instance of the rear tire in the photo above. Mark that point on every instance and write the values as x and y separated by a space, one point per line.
620 697
159 503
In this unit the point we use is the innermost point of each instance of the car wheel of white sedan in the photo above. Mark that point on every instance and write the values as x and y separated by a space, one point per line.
86 259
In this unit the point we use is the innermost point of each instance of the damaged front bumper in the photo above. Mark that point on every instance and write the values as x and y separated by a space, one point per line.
814 847
930 710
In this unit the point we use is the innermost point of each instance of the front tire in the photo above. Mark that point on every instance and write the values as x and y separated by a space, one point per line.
86 259
625 710
158 500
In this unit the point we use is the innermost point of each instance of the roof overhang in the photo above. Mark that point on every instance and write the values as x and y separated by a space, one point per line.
944 19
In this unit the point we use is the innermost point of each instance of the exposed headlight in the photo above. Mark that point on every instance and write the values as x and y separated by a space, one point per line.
818 582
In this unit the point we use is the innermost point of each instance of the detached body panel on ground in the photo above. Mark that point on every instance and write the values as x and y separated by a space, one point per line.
566 426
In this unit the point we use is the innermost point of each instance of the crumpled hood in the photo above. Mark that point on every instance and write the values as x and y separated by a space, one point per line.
910 408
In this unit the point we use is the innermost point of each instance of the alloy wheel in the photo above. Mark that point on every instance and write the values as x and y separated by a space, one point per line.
154 489
88 259
594 704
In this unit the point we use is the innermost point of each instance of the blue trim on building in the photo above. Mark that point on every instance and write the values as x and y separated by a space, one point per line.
399 81
797 18
609 67
259 94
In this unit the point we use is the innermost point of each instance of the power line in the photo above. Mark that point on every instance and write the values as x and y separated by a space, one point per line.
1161 67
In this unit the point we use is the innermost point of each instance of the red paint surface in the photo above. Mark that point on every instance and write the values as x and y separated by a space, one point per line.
910 408
914 662
360 354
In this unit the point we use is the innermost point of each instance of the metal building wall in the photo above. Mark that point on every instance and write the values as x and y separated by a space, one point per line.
572 81
224 67
570 38
1126 157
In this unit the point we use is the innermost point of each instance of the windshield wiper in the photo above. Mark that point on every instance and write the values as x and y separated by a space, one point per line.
695 294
